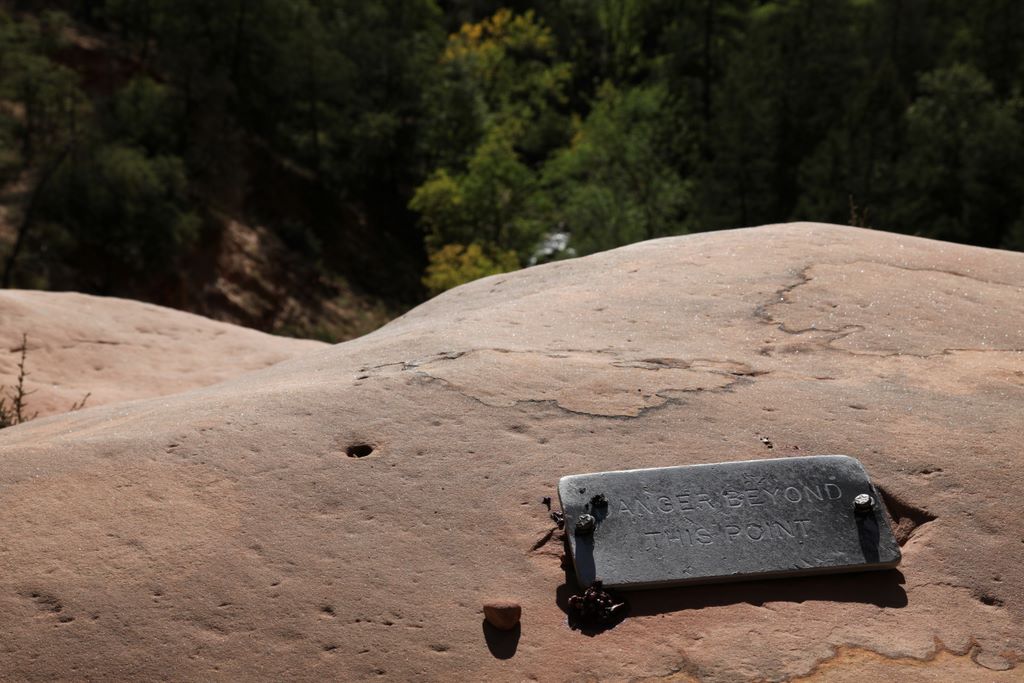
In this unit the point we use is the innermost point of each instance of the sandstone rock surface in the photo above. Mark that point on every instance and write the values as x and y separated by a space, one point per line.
226 533
118 350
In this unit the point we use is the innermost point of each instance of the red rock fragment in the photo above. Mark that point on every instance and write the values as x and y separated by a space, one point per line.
503 614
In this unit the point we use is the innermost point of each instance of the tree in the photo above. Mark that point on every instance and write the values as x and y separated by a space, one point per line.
485 204
855 163
962 172
43 108
510 62
144 113
782 95
121 218
454 264
481 192
613 184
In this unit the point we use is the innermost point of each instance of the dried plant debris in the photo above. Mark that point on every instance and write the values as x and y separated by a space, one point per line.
13 404
596 607
558 518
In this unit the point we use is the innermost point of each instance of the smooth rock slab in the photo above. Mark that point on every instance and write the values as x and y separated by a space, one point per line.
119 350
204 535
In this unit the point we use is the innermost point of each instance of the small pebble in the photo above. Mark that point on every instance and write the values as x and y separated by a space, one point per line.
503 614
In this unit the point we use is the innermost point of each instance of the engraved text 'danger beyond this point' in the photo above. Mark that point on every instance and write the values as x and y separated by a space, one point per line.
732 521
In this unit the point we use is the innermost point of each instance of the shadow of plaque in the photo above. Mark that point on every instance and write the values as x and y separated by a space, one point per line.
880 588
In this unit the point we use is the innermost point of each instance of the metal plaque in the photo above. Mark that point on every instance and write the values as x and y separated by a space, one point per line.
733 521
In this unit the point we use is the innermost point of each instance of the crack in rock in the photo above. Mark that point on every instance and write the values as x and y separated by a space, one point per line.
867 308
581 382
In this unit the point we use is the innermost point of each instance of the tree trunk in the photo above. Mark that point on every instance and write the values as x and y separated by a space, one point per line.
29 215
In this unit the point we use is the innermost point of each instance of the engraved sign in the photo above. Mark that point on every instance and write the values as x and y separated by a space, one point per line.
732 521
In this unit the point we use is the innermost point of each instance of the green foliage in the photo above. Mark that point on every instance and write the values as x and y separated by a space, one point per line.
332 84
145 114
622 30
41 99
510 58
599 122
486 202
501 73
779 97
10 159
856 156
613 185
126 214
962 170
482 192
456 264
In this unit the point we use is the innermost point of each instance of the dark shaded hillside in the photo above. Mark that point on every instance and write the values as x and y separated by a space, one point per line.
347 234
382 152
259 239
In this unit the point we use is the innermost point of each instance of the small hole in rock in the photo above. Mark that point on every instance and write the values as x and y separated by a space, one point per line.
359 451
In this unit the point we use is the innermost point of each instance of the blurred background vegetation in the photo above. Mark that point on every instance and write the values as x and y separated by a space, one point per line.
315 167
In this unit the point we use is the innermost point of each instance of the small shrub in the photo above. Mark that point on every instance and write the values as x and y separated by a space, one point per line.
13 406
455 264
17 411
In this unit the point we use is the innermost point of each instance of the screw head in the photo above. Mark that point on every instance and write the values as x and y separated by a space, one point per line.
863 503
585 524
